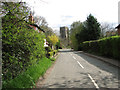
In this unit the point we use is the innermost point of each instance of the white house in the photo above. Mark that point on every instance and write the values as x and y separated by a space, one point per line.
45 43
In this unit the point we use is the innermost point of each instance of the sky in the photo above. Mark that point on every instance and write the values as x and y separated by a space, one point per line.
64 12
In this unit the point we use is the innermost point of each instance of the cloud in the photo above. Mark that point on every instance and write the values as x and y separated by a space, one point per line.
66 18
65 12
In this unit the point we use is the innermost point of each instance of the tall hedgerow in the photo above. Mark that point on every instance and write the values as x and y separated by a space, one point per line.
21 46
109 47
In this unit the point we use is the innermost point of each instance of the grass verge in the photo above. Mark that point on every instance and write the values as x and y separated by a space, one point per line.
27 79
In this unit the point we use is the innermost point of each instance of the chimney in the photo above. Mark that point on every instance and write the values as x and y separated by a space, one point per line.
31 18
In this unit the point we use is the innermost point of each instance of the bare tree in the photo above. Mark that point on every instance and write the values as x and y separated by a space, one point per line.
41 21
106 27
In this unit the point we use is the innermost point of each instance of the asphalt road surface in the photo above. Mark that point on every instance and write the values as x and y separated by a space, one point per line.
75 70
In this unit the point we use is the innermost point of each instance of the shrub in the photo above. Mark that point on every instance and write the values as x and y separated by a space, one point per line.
28 78
48 49
21 47
109 46
52 59
52 53
55 51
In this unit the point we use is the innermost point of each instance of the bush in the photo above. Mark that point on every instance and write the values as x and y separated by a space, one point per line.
55 51
21 47
52 59
109 46
28 78
52 53
48 49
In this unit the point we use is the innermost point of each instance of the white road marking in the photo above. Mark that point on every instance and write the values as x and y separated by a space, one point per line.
93 81
80 64
74 57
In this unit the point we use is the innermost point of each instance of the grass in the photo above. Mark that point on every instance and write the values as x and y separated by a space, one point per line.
52 58
27 79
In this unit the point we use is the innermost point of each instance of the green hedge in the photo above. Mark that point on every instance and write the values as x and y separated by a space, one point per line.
21 47
109 46
28 78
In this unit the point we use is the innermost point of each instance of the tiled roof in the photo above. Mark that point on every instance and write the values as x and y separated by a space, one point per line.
37 27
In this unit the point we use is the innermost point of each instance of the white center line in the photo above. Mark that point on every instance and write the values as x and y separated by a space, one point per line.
80 64
93 81
74 57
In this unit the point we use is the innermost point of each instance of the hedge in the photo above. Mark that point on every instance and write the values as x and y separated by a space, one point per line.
109 47
50 53
21 47
28 78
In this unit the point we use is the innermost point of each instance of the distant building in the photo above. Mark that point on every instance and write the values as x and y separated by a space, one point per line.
118 29
36 28
64 36
45 43
64 32
111 33
33 25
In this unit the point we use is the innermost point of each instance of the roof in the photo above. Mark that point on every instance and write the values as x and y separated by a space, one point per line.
118 26
38 27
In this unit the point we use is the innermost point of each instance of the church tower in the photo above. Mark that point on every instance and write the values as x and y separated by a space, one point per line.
64 36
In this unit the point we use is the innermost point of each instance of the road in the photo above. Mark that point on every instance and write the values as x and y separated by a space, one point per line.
76 70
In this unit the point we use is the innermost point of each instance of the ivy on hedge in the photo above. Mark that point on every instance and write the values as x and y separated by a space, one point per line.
109 46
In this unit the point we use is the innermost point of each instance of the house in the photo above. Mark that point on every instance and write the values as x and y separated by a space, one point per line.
111 33
45 43
36 28
118 29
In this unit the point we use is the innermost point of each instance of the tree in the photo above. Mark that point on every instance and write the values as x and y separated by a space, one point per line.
75 34
92 28
84 31
40 21
53 39
18 9
58 45
21 45
106 27
48 31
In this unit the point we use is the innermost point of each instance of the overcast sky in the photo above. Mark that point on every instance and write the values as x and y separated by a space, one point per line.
65 12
